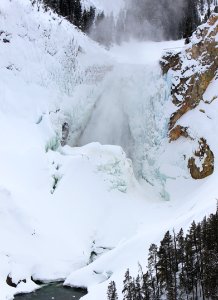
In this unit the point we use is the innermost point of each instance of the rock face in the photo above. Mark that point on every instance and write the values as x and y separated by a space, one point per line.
191 71
169 61
206 158
177 132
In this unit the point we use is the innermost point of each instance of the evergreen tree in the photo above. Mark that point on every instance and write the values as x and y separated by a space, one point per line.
72 11
128 287
202 6
112 291
153 271
165 254
146 291
192 18
182 286
138 289
183 267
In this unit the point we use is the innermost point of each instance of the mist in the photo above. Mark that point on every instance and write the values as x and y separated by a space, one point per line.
143 20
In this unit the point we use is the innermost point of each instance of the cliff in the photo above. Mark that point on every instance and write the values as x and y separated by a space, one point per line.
191 71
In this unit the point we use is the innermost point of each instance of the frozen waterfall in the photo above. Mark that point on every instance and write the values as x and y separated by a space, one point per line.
128 110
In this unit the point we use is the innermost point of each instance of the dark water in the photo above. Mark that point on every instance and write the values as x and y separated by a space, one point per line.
54 291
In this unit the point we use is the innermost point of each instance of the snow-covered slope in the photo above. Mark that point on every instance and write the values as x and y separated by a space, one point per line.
59 204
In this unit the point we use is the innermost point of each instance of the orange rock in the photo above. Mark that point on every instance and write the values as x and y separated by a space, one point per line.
177 132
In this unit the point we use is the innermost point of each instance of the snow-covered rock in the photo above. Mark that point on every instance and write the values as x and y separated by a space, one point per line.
192 71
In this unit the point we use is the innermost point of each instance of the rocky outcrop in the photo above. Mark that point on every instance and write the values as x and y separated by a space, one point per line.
205 158
169 61
11 283
191 71
177 132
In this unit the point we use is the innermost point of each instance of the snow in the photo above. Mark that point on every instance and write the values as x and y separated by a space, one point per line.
135 52
58 204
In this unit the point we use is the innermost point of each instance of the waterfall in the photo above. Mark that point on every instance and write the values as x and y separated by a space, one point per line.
130 112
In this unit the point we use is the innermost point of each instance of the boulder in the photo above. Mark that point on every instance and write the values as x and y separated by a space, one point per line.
206 158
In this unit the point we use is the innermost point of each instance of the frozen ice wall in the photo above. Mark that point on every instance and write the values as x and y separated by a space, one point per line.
129 112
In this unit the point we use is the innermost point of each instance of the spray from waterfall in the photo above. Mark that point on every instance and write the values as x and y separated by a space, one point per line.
142 20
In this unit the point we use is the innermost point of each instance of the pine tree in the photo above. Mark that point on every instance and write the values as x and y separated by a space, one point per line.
138 289
191 18
165 263
210 256
128 287
76 12
112 291
181 268
72 11
202 6
147 287
153 270
145 284
182 286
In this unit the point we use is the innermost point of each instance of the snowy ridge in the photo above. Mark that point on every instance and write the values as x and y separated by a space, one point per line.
57 203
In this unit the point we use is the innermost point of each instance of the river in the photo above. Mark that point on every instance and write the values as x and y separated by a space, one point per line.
55 291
